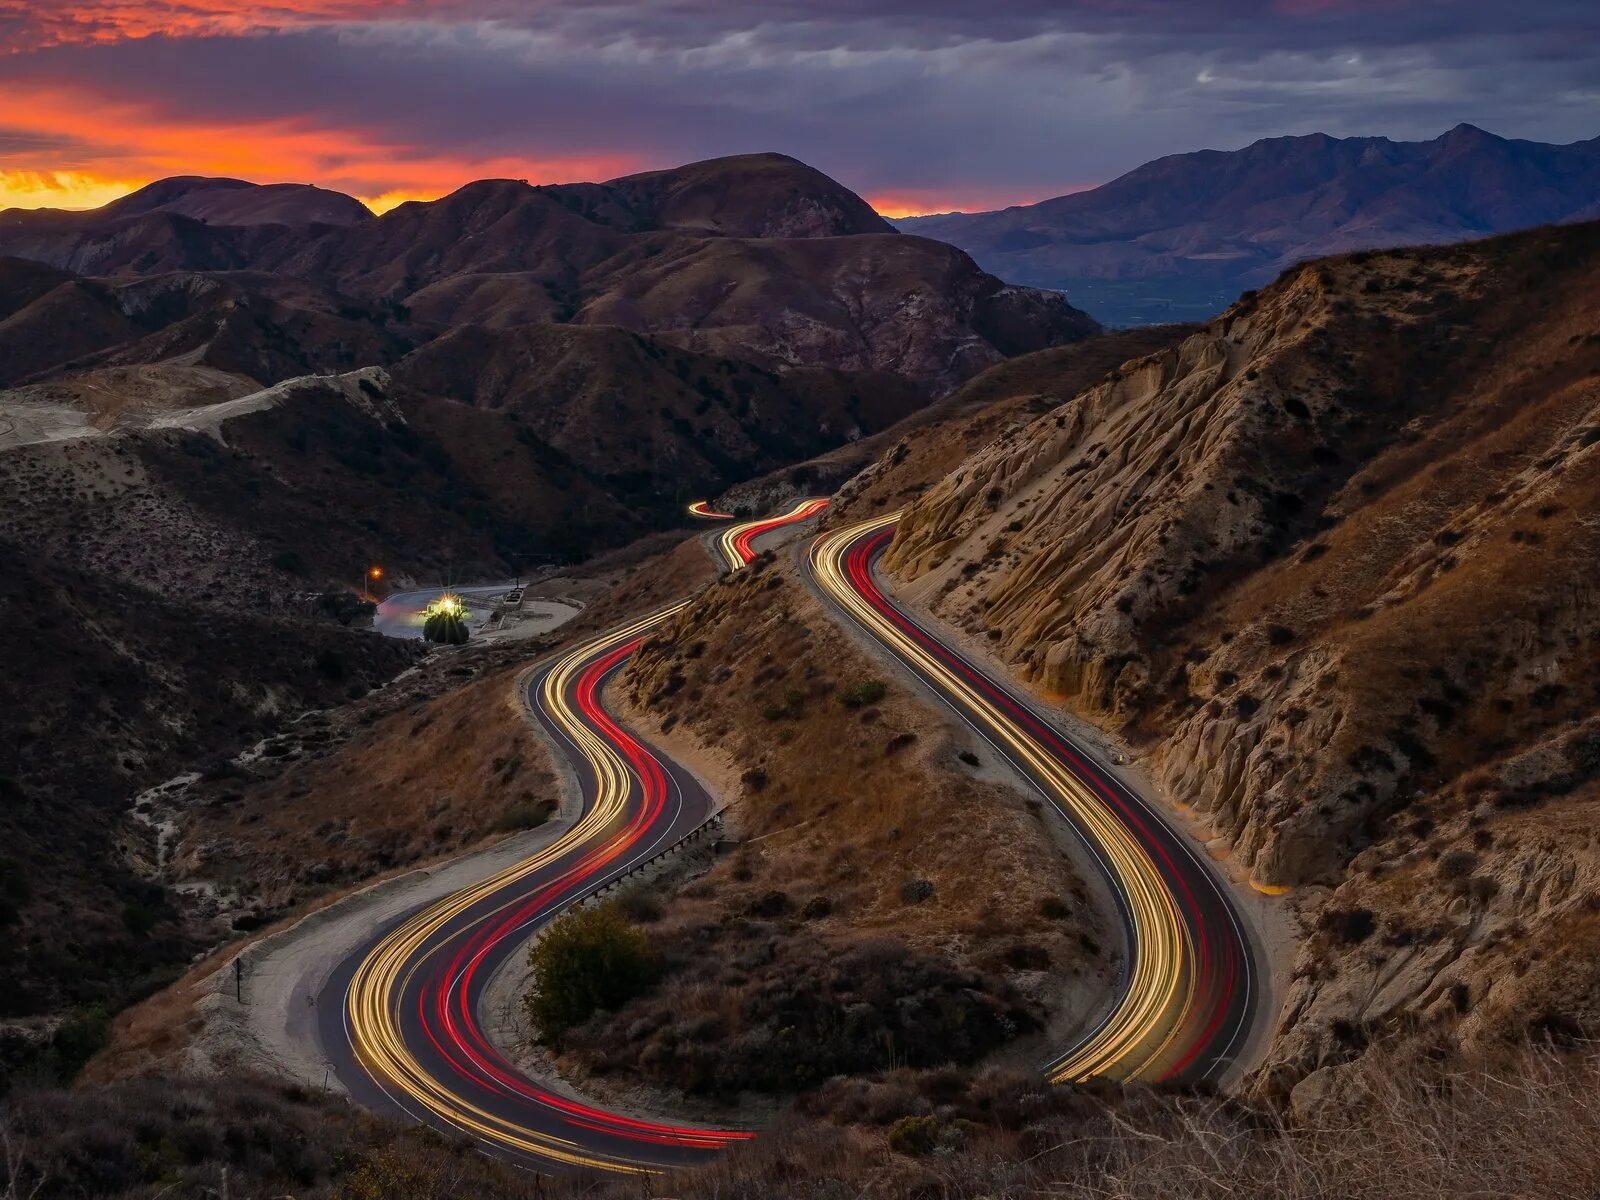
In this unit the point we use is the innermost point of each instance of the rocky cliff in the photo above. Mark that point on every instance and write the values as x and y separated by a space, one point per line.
1331 557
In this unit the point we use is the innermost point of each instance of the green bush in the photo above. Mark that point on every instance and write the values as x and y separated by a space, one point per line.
914 1135
867 691
589 959
448 628
525 814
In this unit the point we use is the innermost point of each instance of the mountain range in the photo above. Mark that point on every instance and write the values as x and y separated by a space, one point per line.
757 257
1182 236
220 401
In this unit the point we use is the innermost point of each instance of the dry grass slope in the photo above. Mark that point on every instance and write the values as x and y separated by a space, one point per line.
1413 1134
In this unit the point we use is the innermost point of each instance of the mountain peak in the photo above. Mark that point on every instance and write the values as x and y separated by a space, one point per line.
1466 134
225 201
751 195
1185 233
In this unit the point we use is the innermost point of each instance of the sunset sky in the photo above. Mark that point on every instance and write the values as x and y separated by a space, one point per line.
920 106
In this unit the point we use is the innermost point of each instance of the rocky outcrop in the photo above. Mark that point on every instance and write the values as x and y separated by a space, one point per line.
1329 557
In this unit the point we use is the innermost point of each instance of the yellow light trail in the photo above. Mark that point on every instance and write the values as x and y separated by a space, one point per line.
734 543
1135 1038
372 1014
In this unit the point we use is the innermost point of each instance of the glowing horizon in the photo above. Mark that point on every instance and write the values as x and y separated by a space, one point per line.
84 190
920 109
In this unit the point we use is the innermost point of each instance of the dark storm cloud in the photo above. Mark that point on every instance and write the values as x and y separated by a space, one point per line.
887 94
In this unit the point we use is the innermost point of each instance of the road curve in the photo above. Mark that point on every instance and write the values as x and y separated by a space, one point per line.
1189 989
736 544
408 1036
702 508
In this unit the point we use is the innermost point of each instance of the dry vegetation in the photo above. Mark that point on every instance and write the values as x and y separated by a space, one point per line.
926 447
889 468
1407 1132
859 918
431 767
1410 1132
1332 557
113 691
438 762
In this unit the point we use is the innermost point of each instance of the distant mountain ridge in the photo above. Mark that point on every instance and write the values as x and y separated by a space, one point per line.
218 201
1199 228
756 256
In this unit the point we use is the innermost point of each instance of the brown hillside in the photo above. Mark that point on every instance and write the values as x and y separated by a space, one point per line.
748 195
887 302
758 257
692 423
117 690
920 451
1334 553
267 327
236 202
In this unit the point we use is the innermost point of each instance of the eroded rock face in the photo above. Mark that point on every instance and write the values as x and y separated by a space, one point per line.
1332 555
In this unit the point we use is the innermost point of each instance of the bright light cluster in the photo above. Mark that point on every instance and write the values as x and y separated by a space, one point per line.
448 605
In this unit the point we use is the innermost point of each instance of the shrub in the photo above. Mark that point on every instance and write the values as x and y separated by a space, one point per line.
1350 925
446 627
139 918
816 908
641 904
914 1135
915 891
769 905
589 959
330 664
863 693
525 814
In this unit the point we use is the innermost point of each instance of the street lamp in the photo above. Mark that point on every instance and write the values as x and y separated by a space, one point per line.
374 574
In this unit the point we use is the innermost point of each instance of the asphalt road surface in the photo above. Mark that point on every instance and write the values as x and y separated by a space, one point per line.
408 1038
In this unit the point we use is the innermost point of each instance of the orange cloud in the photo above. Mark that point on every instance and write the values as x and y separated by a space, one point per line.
61 189
108 147
98 21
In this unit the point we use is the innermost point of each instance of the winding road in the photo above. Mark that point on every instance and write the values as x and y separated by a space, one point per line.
1191 980
736 544
408 1037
